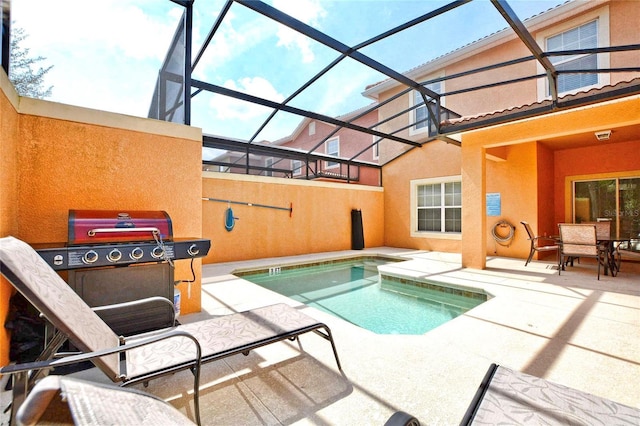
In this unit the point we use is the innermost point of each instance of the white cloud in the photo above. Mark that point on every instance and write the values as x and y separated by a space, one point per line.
231 41
227 108
308 11
116 25
105 54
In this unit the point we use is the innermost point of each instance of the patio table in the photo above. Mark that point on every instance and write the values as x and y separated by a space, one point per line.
610 254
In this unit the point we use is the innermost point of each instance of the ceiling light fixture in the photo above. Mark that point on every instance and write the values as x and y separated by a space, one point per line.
604 135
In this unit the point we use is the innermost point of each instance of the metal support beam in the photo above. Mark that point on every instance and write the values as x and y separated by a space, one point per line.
188 37
270 104
320 37
5 10
449 140
525 36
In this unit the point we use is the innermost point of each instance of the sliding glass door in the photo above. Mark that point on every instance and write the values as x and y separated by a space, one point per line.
614 199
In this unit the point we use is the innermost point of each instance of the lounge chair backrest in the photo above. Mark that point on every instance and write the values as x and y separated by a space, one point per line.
57 301
578 239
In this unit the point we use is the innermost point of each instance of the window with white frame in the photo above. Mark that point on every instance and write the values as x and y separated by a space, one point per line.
421 117
296 166
578 31
268 163
312 128
376 147
582 37
333 149
437 205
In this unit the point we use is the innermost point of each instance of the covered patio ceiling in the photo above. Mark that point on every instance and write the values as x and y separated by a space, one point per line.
181 95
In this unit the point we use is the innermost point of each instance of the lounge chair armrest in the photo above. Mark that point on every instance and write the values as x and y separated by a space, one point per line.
546 240
74 359
150 313
22 371
146 300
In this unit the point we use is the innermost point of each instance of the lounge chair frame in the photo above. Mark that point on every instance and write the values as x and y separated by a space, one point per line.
60 400
124 359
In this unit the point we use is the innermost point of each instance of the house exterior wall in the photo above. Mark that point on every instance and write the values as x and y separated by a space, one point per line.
351 143
621 160
320 220
536 182
617 22
524 171
435 159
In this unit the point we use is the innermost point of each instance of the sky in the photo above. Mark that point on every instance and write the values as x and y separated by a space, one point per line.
106 53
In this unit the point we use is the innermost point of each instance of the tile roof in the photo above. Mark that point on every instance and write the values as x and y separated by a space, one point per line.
597 94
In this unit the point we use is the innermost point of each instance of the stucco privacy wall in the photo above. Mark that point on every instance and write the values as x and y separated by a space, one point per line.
8 189
320 221
75 158
63 157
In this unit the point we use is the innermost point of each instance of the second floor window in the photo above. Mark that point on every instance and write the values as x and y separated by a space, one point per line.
268 163
439 207
376 148
583 37
421 117
333 148
296 166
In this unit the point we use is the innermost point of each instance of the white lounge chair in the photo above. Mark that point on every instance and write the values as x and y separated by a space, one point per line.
139 358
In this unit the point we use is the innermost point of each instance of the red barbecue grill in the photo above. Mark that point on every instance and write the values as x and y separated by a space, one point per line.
115 257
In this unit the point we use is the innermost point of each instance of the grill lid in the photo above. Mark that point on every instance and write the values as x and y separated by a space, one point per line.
99 226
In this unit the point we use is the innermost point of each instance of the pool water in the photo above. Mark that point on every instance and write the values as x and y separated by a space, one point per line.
354 291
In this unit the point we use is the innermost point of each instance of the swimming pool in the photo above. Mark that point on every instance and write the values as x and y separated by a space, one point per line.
354 291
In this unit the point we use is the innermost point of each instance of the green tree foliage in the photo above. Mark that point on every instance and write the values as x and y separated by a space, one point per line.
21 73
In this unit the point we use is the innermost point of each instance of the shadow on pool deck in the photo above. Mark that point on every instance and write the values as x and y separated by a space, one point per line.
571 329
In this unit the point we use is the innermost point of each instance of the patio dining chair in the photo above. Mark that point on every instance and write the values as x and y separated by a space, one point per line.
579 240
139 358
538 243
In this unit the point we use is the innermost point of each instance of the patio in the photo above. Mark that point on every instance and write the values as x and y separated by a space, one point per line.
571 329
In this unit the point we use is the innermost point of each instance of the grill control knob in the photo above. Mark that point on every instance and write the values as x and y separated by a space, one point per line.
157 252
90 257
136 253
193 250
114 255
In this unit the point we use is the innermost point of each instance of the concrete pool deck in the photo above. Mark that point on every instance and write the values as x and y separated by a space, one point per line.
571 329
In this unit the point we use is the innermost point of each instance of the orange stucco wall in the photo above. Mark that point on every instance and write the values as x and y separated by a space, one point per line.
534 179
320 221
622 159
74 165
435 159
514 161
8 190
57 157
